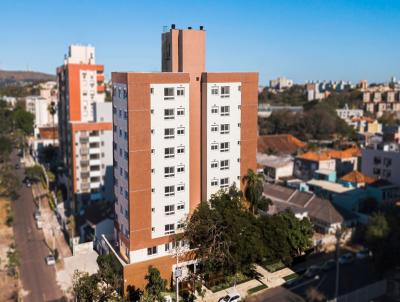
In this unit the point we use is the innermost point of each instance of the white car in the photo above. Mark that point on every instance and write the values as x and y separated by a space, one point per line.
39 224
232 297
50 260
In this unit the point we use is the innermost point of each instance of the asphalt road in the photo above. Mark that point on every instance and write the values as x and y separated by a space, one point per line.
352 276
38 279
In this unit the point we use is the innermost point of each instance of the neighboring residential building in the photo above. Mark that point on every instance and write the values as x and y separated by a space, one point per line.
10 100
180 135
380 162
280 84
391 134
325 217
275 167
306 164
326 189
39 107
279 144
85 129
265 110
355 179
347 114
379 102
321 90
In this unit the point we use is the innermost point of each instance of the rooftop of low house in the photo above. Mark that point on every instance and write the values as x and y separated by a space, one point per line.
358 177
279 144
329 186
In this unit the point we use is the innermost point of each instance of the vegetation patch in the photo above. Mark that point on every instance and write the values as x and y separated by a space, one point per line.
291 277
273 267
217 284
256 289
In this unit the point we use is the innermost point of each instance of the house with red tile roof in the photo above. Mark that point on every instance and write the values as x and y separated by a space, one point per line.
279 144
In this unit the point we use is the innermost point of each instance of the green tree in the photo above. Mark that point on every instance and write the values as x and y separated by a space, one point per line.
35 173
6 146
85 287
24 121
253 191
155 285
377 228
224 236
52 108
9 182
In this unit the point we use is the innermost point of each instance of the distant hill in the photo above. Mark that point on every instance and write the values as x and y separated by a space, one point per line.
9 77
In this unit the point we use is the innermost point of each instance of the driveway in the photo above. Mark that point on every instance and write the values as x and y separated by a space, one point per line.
38 279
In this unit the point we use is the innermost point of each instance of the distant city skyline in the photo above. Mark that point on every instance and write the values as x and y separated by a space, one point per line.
302 40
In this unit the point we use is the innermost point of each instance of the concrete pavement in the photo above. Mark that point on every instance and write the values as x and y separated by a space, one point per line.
38 279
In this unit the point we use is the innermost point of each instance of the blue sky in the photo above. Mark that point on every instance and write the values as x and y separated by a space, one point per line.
303 40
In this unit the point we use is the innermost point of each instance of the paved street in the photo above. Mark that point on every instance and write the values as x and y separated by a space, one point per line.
38 279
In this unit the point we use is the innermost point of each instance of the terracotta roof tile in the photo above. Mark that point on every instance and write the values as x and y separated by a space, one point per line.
358 177
281 143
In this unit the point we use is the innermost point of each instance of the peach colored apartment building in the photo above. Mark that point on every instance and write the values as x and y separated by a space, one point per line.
180 135
85 128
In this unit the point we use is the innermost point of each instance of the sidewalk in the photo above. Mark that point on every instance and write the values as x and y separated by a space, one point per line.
271 280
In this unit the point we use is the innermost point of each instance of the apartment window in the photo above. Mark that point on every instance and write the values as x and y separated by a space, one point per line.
386 173
180 150
214 110
224 110
214 128
125 135
377 160
115 128
180 226
180 111
126 194
214 91
152 250
120 152
121 171
126 216
126 175
239 88
169 190
180 169
151 90
214 182
114 110
169 114
224 182
169 209
224 165
120 133
169 229
180 91
225 91
224 128
214 146
169 171
167 247
387 162
125 115
224 147
169 152
180 188
120 113
181 206
169 93
169 133
214 164
181 131
376 171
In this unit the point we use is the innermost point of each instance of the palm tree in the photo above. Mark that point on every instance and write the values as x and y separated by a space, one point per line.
253 191
52 110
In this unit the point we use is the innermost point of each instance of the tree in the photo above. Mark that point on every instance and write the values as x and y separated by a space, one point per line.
52 108
35 173
224 236
85 287
377 228
155 284
24 121
253 191
5 148
9 182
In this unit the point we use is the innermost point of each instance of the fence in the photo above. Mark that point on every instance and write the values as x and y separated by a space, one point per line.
364 294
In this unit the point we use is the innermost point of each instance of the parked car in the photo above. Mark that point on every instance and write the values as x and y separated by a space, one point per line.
232 297
312 271
37 214
363 254
346 258
50 260
39 224
328 265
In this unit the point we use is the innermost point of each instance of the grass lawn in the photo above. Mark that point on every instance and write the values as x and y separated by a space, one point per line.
291 277
256 289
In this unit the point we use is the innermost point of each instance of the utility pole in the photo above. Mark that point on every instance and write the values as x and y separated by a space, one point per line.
338 235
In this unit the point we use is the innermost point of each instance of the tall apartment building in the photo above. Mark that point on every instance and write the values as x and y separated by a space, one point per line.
85 128
180 135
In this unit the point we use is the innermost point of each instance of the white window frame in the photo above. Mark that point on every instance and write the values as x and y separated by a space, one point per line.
222 182
225 112
169 135
169 191
180 91
169 171
169 209
224 164
225 131
169 229
169 152
169 116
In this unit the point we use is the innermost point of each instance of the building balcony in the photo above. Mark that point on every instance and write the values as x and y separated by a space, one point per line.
84 162
85 187
85 174
96 173
101 89
100 78
84 151
84 140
